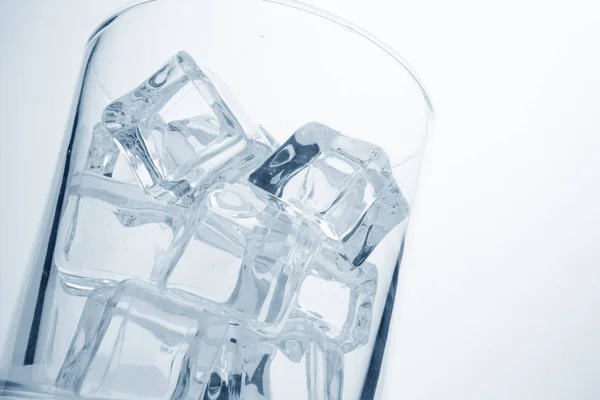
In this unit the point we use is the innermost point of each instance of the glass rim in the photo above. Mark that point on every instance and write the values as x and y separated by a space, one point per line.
317 12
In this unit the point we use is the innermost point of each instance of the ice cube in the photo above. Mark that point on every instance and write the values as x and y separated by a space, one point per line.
180 135
133 342
341 309
252 254
110 230
347 184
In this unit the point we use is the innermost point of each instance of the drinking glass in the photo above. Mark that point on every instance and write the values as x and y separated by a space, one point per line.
287 64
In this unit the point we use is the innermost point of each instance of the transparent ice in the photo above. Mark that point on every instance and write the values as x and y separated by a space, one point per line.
110 231
250 256
179 135
346 183
217 263
133 342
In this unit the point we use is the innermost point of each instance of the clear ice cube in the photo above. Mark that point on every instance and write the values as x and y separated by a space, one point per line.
111 230
341 309
347 184
133 342
179 135
250 256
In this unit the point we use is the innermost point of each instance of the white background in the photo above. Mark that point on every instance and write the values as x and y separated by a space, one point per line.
499 294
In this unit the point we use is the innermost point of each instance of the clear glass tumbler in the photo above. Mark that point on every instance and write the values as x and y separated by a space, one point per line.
98 317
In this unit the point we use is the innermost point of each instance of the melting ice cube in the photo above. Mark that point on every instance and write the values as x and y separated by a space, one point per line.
347 184
180 135
132 342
